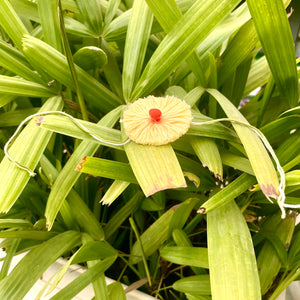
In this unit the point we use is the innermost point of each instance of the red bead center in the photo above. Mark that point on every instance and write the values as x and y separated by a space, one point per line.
155 115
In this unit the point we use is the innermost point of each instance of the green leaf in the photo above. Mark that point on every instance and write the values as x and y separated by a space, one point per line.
268 260
20 87
48 13
114 191
190 256
137 38
14 61
8 16
116 291
271 21
106 168
122 214
208 153
67 177
15 117
232 263
92 14
66 125
79 209
89 58
229 193
27 150
152 238
259 158
93 250
18 282
181 41
239 49
47 59
78 284
181 214
197 284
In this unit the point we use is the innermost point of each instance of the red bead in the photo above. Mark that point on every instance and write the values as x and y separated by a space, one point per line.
155 115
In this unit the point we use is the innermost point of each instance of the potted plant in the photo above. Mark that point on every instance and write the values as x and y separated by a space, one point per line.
131 145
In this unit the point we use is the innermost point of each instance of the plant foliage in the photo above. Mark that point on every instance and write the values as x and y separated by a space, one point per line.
105 203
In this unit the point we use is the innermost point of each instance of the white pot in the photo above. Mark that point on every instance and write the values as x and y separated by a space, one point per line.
73 272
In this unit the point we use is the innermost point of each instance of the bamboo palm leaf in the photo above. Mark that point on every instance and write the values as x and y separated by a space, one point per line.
13 60
26 150
159 230
48 14
254 147
8 16
49 60
137 39
18 282
156 168
271 21
232 264
67 177
92 14
208 153
20 87
185 36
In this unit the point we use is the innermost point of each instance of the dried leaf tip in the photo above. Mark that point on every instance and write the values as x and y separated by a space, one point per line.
157 120
79 166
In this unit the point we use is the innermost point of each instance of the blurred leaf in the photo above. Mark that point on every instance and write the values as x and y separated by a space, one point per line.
48 13
190 256
92 14
89 58
116 291
198 284
8 16
268 261
20 87
14 61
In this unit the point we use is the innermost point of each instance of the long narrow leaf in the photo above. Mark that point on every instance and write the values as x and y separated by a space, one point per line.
232 264
67 177
18 282
11 23
271 21
48 13
259 158
14 61
26 150
185 36
156 168
47 59
20 87
136 44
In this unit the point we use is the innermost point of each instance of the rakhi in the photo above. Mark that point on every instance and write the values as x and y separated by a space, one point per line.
158 121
